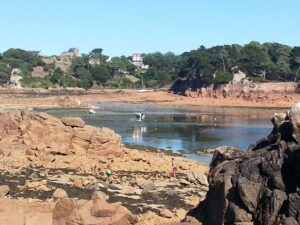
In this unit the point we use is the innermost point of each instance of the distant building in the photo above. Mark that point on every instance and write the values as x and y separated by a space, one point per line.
72 52
137 60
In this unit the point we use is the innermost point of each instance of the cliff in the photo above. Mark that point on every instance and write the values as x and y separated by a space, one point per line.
258 92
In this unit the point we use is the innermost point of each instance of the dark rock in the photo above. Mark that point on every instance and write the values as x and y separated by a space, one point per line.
224 154
260 186
288 221
294 206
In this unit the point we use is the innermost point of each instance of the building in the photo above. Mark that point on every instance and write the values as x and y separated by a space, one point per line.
71 53
137 60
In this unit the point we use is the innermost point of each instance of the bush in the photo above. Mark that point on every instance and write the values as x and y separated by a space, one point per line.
223 77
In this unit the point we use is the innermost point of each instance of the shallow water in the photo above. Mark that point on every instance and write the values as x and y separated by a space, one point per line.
190 129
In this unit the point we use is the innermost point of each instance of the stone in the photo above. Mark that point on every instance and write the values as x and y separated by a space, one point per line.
130 190
260 186
4 190
85 182
78 183
73 121
184 182
103 209
45 136
166 213
146 185
180 213
37 185
59 193
294 115
99 195
65 211
198 177
226 153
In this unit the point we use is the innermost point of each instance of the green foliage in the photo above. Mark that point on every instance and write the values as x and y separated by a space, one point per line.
69 81
23 56
295 58
4 73
97 56
261 62
4 77
57 76
100 73
36 82
77 63
223 77
119 64
84 78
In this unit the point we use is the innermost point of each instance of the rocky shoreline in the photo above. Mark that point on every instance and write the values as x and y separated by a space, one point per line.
41 154
260 186
54 170
234 97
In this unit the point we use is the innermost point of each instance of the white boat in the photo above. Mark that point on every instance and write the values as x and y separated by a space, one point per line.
91 111
140 115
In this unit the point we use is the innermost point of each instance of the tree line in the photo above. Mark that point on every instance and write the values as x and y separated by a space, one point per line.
261 62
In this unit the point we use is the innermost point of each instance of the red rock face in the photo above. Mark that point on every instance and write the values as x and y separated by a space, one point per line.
43 134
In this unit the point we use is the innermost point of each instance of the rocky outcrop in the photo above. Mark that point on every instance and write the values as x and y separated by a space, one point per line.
45 135
83 212
65 211
255 92
260 186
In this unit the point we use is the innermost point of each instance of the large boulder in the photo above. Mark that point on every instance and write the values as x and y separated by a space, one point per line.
82 212
260 186
73 121
45 135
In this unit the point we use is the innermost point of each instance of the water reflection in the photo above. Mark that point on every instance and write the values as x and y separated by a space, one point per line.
138 132
179 128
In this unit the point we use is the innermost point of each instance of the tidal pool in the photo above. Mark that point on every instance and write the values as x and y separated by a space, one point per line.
188 129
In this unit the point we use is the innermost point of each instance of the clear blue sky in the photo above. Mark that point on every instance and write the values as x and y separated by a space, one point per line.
122 27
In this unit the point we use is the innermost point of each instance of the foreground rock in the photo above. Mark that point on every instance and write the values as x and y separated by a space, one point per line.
43 135
261 186
82 212
41 160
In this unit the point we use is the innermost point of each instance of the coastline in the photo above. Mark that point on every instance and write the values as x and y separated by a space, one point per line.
141 179
73 98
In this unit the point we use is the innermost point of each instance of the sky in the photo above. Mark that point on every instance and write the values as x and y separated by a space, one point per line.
123 27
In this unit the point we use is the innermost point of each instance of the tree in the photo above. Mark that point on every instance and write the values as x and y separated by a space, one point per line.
23 56
57 76
84 78
255 60
78 63
223 77
4 77
96 55
295 58
4 73
279 54
100 73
